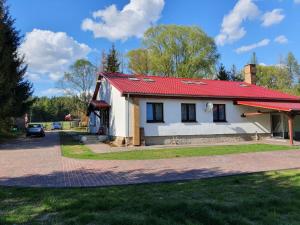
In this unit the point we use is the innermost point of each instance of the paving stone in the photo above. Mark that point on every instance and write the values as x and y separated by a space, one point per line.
37 162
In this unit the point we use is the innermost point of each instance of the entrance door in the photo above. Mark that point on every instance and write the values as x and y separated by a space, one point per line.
277 126
104 121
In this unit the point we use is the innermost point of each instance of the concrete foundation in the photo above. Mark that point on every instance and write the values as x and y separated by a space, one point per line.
203 139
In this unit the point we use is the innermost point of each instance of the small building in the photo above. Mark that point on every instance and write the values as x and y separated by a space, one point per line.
139 109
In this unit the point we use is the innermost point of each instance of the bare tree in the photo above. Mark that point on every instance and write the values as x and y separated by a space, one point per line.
79 81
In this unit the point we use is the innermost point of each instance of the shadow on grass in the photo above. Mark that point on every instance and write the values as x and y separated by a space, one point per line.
263 198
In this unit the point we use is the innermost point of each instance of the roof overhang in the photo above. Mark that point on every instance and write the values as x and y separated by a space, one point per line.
279 106
97 105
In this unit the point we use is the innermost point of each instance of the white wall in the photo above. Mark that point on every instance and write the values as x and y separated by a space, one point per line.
173 126
118 110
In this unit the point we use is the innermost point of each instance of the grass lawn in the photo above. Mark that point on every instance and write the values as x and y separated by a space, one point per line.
71 148
271 198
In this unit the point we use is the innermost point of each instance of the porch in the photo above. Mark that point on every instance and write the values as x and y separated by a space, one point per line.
99 109
285 117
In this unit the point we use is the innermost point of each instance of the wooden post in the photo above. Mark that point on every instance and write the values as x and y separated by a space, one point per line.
136 140
291 129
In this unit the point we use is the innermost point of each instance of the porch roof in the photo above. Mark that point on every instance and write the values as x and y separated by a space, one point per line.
99 104
281 106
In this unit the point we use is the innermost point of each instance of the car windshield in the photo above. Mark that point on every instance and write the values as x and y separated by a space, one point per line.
56 123
35 126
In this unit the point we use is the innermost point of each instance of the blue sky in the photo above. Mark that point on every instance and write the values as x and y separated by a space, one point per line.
57 32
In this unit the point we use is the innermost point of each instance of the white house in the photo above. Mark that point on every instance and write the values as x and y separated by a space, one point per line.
136 109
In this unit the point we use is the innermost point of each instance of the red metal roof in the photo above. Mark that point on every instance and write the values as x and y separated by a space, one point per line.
99 104
187 87
281 106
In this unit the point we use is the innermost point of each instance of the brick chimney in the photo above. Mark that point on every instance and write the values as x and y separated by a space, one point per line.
250 73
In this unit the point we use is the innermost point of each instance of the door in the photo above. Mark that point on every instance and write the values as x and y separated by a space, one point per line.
277 126
104 121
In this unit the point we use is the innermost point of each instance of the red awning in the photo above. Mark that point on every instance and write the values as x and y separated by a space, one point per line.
281 106
99 104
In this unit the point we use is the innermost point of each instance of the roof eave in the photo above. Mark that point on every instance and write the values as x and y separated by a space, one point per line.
234 98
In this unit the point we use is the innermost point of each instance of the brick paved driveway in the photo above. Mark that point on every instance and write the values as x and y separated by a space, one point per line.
38 162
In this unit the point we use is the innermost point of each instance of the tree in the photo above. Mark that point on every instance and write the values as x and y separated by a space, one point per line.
253 59
112 63
79 82
292 66
274 77
15 91
139 62
223 74
103 62
236 75
53 109
180 51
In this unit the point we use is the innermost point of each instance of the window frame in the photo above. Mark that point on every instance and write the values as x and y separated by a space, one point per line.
153 111
218 120
187 113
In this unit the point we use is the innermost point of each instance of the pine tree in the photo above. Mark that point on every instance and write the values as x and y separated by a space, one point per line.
223 74
15 91
113 64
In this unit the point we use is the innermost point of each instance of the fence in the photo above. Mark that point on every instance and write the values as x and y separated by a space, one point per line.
66 125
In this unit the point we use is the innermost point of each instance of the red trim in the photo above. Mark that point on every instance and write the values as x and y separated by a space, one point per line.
99 104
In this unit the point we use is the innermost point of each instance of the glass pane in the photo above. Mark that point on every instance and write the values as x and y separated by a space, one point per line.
183 112
150 111
159 112
222 112
192 112
215 113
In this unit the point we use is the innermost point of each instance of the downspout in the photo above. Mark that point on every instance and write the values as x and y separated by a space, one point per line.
127 106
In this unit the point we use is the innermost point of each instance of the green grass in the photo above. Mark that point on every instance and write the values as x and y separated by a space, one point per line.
271 198
71 148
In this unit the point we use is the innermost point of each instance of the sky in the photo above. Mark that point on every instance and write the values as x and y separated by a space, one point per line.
57 32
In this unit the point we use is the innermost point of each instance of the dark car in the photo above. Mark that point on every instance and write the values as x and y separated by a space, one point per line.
35 130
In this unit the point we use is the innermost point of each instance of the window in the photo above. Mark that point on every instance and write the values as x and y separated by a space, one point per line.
219 113
155 113
188 112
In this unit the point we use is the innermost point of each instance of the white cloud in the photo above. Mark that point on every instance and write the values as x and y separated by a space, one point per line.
248 48
51 53
273 17
232 29
32 76
133 20
262 64
53 92
281 39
